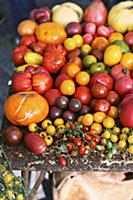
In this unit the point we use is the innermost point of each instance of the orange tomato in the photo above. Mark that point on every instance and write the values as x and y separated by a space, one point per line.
99 117
70 44
108 122
87 119
97 127
115 36
127 60
27 27
100 43
82 78
72 70
112 55
114 138
113 112
67 87
51 33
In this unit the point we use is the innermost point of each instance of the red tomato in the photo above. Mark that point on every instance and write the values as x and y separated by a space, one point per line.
70 147
119 71
88 137
27 40
96 13
103 31
87 38
60 78
103 78
77 142
96 139
51 96
38 47
93 145
127 98
124 85
81 150
83 94
113 97
89 28
100 105
129 38
35 143
85 128
63 161
99 91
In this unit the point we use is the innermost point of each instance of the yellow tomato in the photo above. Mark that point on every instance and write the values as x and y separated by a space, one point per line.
10 194
61 128
78 39
42 134
122 144
48 139
80 118
123 136
85 49
114 138
58 121
106 134
125 130
108 122
82 78
70 44
68 125
51 130
113 112
130 139
115 36
20 197
116 129
87 119
127 60
72 70
46 123
112 55
99 117
32 127
130 149
8 178
67 87
97 127
33 58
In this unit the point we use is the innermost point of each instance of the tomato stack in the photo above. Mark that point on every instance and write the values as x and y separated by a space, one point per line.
73 82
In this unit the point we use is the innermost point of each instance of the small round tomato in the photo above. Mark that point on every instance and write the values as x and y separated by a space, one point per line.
46 123
20 197
63 161
115 36
113 97
85 49
114 138
70 147
116 130
123 136
78 39
58 121
99 117
89 60
108 122
96 139
67 125
51 130
88 137
101 105
130 139
97 67
92 132
67 87
85 128
48 139
80 118
82 78
97 127
42 134
130 149
70 44
77 142
87 119
72 70
106 134
122 144
127 60
81 150
93 145
32 127
8 178
61 128
103 31
113 112
83 94
125 130
99 91
9 194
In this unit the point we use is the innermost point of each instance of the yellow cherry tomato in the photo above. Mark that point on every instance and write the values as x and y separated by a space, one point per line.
20 197
78 39
89 60
8 178
32 127
130 149
46 123
106 134
49 140
108 122
116 129
2 198
82 78
67 87
85 49
112 55
68 125
10 194
113 112
130 139
42 134
51 130
70 44
99 116
114 138
123 136
58 121
60 128
72 70
115 36
122 144
125 130
2 169
87 119
127 60
80 118
97 127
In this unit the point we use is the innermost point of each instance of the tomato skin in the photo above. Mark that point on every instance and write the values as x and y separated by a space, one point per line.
63 161
102 78
60 78
81 150
35 143
54 59
70 147
88 137
124 85
99 91
100 105
97 67
83 94
119 71
129 38
77 142
103 31
27 40
96 139
48 139
113 97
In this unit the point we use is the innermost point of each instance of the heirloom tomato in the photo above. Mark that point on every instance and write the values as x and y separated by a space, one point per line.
83 94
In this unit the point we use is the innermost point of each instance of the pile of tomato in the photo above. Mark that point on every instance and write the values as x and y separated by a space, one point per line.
73 86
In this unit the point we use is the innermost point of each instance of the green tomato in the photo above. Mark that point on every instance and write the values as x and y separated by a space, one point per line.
109 155
125 48
97 67
88 61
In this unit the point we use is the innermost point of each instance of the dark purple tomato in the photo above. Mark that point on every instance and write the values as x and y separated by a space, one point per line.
74 28
85 109
68 115
62 102
75 105
55 112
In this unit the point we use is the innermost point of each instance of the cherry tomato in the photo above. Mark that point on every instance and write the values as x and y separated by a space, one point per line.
103 31
87 119
92 132
88 137
78 39
99 91
81 150
72 70
8 178
85 128
130 149
9 193
46 123
51 130
80 118
70 44
106 134
97 127
48 139
82 78
77 142
68 125
67 87
130 139
83 94
70 147
93 145
85 49
99 117
113 112
116 130
32 127
101 105
108 122
122 144
89 60
58 135
114 138
63 161
123 136
113 97
42 134
60 128
96 139
20 197
125 130
58 121
97 67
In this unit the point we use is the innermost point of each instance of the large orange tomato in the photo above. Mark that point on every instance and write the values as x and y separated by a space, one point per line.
51 33
23 108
